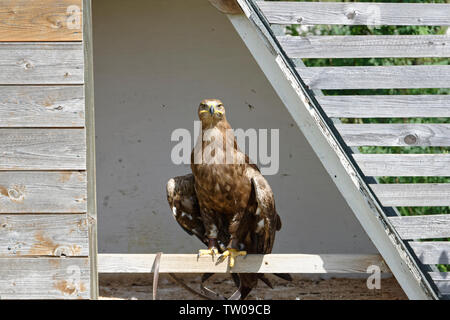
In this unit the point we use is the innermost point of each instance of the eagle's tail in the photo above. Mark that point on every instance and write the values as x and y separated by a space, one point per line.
278 222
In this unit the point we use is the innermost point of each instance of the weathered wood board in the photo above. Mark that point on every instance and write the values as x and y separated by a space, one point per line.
422 227
43 192
42 149
380 77
41 106
289 263
41 63
412 165
413 195
43 235
365 46
442 281
44 278
402 135
381 106
40 20
432 252
355 13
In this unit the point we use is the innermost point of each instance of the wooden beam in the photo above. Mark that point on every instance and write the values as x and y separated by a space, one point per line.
382 106
411 165
43 192
40 20
355 13
44 278
270 263
43 235
379 77
90 145
41 63
413 195
226 6
365 46
395 134
41 106
432 252
423 227
255 33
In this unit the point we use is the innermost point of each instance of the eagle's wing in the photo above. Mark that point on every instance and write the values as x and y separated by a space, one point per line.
184 204
267 220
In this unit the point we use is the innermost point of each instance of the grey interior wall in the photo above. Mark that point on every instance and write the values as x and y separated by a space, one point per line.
154 62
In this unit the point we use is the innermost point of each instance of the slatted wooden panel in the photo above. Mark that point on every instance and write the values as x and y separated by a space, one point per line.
382 106
42 149
41 63
44 278
404 135
442 281
43 192
365 46
422 227
41 106
412 165
383 77
43 181
40 20
335 13
43 235
413 195
432 252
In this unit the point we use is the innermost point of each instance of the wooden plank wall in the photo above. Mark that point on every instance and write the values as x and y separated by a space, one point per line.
44 239
414 229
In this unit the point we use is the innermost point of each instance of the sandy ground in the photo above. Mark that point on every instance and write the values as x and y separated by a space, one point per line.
139 287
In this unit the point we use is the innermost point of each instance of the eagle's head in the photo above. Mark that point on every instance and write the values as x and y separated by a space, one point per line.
211 111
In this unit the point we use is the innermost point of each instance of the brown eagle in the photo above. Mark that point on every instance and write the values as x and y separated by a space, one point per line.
225 202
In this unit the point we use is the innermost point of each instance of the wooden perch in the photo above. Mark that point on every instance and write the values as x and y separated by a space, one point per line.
270 263
227 6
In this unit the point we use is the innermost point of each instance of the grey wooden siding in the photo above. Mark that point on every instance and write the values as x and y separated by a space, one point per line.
44 278
41 106
44 251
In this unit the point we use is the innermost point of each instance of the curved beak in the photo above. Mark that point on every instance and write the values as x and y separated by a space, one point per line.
212 109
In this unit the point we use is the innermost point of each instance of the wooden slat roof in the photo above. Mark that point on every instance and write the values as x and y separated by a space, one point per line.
411 230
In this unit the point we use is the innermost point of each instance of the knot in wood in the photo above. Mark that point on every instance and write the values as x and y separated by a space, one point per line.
16 193
300 20
351 14
27 64
410 139
62 251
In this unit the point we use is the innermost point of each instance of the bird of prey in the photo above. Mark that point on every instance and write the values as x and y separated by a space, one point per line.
225 202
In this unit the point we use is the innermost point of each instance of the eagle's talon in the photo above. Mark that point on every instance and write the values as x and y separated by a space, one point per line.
232 253
207 252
